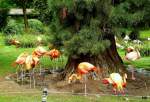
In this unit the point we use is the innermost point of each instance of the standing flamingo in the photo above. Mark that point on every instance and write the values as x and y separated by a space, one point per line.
117 81
39 51
54 54
21 58
132 55
27 62
82 69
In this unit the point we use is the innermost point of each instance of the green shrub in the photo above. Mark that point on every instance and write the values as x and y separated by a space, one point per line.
36 25
134 35
27 40
145 49
3 18
13 27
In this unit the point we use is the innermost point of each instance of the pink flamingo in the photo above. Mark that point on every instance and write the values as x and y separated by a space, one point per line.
132 55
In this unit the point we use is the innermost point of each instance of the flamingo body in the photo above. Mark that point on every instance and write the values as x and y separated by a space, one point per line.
39 51
85 67
53 53
118 82
132 56
21 58
31 62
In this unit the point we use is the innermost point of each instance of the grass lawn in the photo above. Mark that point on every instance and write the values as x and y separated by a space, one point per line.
143 62
145 34
8 55
68 98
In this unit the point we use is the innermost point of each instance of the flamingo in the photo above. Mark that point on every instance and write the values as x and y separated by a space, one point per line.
82 69
117 81
39 51
132 55
21 58
15 42
28 62
31 62
54 53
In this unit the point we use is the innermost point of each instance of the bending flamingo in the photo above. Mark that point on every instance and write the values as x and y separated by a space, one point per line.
83 68
117 81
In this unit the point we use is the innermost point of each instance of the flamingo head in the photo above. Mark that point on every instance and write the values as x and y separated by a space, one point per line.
129 49
107 81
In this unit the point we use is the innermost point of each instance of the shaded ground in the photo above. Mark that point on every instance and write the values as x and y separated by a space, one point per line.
141 86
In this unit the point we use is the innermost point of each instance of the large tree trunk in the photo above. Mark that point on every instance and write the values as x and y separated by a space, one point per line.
108 61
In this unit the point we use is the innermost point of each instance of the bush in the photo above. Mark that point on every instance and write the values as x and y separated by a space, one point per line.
134 35
3 18
36 25
145 49
13 28
27 40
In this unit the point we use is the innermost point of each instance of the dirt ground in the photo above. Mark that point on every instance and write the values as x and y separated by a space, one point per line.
141 86
138 87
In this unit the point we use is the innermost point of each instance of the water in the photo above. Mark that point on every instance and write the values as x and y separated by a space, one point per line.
139 70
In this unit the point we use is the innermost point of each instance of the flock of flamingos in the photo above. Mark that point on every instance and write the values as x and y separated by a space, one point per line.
117 81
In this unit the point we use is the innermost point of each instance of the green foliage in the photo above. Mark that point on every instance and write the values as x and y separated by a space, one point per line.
134 35
144 34
131 13
80 32
21 3
145 49
87 41
13 27
27 40
44 12
36 25
3 18
6 4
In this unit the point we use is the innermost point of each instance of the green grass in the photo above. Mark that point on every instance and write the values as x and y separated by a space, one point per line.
145 34
8 55
143 62
68 98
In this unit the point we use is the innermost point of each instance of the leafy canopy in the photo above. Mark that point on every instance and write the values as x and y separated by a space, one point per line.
81 31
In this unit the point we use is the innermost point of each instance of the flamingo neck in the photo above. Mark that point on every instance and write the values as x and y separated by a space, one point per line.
124 79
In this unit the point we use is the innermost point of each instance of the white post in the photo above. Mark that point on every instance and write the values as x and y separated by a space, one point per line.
44 95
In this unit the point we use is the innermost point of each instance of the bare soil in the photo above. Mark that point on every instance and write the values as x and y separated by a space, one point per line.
140 86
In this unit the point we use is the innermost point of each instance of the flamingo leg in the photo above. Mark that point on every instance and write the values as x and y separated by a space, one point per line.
85 86
33 74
